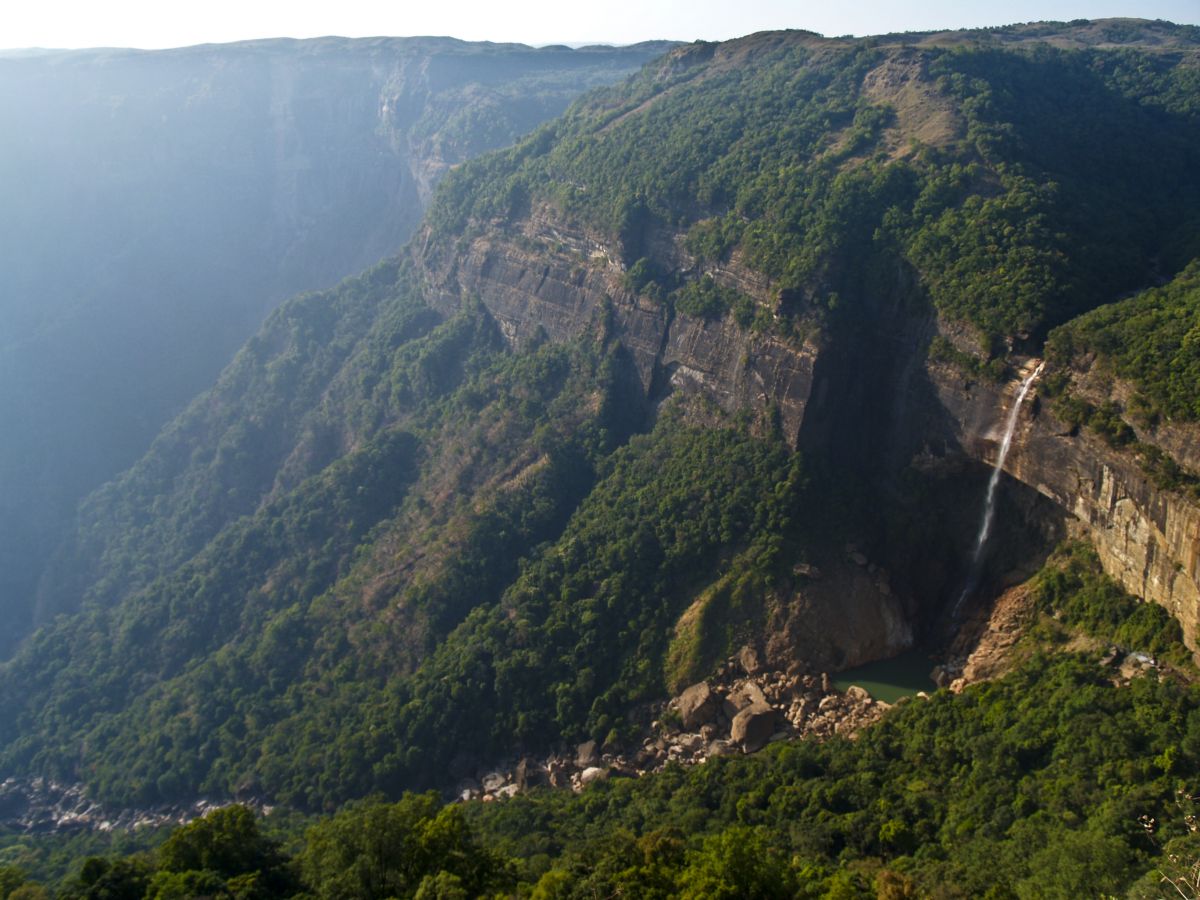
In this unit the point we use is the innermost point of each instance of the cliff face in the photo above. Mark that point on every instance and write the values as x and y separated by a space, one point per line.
869 394
543 275
1148 539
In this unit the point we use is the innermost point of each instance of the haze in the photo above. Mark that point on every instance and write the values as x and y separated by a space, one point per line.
148 24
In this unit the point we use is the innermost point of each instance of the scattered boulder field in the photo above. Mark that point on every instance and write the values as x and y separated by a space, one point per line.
739 710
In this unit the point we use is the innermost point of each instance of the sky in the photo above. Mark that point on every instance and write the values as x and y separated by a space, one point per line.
153 24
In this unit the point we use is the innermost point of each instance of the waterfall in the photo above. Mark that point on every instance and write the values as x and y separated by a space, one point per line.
989 506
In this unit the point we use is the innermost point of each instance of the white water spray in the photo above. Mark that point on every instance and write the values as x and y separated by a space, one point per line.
989 506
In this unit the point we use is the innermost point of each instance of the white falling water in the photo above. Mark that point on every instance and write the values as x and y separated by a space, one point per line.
989 506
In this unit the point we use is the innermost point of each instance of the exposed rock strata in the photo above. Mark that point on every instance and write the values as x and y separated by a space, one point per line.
1147 539
545 276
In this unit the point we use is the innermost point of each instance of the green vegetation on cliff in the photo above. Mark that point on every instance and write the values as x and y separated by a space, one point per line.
1151 340
1038 785
1016 182
479 563
391 535
156 206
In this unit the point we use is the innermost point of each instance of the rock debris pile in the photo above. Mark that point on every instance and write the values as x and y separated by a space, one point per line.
43 806
740 710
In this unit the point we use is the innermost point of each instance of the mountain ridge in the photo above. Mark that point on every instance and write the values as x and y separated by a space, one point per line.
580 334
156 205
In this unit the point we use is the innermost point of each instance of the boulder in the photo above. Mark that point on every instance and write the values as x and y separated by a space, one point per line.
753 726
560 775
697 705
529 774
720 748
493 781
593 773
748 659
858 694
741 697
586 755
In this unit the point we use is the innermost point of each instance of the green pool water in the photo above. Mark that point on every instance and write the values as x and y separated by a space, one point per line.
890 679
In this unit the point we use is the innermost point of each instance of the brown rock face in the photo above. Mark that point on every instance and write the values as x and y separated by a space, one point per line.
753 726
871 399
545 276
742 697
1147 539
697 705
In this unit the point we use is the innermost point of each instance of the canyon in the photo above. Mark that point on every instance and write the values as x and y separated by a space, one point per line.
919 412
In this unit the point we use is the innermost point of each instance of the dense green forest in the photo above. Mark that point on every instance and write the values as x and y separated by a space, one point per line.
1151 340
385 529
155 207
1040 784
1030 203
406 534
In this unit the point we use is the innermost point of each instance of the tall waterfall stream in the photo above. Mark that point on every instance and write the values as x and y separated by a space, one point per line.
989 507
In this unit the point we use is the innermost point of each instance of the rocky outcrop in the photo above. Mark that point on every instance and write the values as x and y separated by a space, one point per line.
45 806
697 705
753 726
1147 538
543 276
733 712
869 395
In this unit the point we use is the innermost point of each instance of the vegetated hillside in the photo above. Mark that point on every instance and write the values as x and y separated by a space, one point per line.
497 494
1056 780
155 206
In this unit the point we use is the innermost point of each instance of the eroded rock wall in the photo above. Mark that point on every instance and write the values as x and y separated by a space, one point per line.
1147 538
545 276
869 392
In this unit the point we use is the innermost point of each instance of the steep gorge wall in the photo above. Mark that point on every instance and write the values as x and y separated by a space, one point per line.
544 276
155 206
1148 539
871 396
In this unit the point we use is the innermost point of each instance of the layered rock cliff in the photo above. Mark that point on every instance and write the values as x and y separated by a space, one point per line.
541 274
874 395
509 489
1148 538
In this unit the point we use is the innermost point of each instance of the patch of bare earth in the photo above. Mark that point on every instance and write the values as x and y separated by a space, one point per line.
986 645
924 116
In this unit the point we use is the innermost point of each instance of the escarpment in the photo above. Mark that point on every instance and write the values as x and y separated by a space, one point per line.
724 357
1147 537
537 275
872 393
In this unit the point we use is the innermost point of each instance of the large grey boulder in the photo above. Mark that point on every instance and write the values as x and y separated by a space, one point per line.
697 705
753 726
586 755
746 694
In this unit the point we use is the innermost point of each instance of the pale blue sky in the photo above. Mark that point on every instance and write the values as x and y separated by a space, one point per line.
167 23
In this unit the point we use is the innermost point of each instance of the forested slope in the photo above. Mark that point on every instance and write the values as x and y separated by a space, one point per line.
407 524
155 206
1058 780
